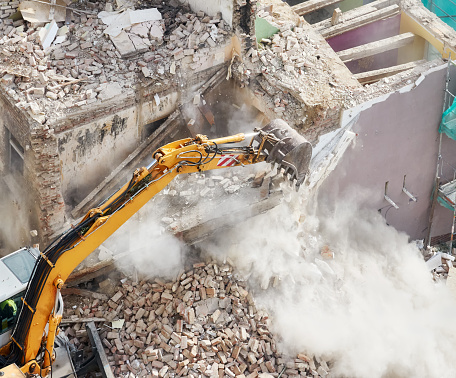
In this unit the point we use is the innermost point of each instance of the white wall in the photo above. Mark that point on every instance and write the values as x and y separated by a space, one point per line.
211 7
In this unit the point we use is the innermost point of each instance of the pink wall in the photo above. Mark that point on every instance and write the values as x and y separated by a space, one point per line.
365 34
397 137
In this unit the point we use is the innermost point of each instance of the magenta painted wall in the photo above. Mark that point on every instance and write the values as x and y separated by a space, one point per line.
397 137
365 34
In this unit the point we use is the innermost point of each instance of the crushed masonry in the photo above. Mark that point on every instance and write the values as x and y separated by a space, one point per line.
178 212
205 322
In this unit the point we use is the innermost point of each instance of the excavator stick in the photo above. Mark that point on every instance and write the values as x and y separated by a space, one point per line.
287 148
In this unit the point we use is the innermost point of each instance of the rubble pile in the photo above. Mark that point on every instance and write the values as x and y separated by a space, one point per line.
211 185
294 68
50 68
439 261
7 8
203 323
179 206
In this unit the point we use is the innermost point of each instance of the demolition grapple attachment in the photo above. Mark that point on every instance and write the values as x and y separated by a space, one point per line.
285 147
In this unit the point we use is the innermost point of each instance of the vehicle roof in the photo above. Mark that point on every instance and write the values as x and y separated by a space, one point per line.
9 283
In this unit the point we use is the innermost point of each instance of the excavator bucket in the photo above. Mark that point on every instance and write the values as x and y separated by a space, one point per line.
287 148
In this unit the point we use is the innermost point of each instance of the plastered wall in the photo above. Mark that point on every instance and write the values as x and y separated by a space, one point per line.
88 153
396 136
410 24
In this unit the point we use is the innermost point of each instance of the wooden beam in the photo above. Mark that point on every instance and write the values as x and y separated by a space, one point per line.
376 75
356 12
83 293
100 355
360 21
312 5
336 17
82 320
376 47
94 271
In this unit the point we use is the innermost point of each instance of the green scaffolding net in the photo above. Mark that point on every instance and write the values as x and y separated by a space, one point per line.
448 124
444 9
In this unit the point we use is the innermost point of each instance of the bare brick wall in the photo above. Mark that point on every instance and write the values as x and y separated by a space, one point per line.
441 239
19 124
47 181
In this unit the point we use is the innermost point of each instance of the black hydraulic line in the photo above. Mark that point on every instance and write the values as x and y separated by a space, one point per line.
39 276
215 152
50 359
121 198
192 163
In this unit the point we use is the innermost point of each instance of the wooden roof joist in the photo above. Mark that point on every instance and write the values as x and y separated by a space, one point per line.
312 5
376 47
360 21
357 12
376 75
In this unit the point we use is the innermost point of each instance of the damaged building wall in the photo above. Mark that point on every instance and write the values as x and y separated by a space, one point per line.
417 19
88 152
17 162
91 104
295 75
33 171
397 136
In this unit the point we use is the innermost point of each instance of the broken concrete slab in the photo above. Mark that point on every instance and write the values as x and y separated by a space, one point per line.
123 44
144 15
63 30
39 12
140 29
110 91
434 262
47 34
138 43
118 21
156 32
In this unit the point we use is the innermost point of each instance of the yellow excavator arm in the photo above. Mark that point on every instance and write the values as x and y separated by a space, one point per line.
32 349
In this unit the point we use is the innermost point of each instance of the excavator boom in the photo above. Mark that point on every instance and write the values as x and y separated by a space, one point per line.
30 347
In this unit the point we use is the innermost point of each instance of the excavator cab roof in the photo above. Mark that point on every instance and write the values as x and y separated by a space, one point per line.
15 271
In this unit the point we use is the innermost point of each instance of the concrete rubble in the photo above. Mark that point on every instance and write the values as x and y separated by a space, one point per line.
204 323
132 64
179 209
294 61
438 261
53 68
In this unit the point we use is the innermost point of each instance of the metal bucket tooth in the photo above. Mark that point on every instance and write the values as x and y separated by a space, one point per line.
287 148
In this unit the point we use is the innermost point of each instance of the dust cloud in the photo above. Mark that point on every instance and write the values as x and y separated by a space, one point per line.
152 250
373 310
14 230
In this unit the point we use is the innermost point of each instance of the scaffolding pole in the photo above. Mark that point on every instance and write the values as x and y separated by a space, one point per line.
446 100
